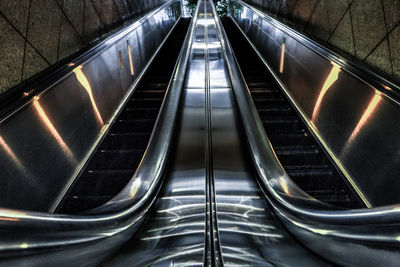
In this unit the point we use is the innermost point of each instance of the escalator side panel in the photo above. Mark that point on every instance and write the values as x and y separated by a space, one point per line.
300 155
120 153
44 142
355 120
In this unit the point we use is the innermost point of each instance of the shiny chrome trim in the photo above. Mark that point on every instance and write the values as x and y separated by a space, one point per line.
346 237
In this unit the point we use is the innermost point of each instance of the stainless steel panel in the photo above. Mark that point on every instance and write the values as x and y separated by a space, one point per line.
353 115
363 237
125 65
36 134
43 144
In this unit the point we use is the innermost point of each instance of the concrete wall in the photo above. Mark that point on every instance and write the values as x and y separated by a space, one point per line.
36 34
368 30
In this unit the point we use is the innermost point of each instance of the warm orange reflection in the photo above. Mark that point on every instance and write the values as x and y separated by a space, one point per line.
285 187
10 153
332 77
135 187
387 88
121 61
366 115
9 219
85 83
131 60
52 129
282 58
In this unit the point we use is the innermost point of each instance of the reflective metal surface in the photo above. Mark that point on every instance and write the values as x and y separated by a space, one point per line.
209 149
44 143
352 111
249 232
174 232
365 237
38 239
208 207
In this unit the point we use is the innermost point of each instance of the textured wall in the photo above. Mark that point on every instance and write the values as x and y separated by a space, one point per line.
366 29
35 34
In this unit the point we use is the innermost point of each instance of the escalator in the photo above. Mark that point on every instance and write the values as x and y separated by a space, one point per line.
120 152
210 210
295 146
187 176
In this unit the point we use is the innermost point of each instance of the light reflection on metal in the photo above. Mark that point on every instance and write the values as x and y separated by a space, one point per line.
285 186
332 77
85 83
282 58
247 224
181 233
52 129
135 187
387 88
10 219
234 230
11 153
181 197
181 207
366 115
131 60
177 225
213 45
121 62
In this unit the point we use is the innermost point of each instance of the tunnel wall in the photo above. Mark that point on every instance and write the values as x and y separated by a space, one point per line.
365 30
37 34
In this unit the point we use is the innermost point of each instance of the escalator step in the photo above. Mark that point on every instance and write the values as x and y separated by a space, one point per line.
149 93
80 203
100 183
139 113
154 86
125 141
133 126
266 99
310 172
144 102
116 159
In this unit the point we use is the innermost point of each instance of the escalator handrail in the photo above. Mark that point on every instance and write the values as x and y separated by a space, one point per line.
363 226
20 228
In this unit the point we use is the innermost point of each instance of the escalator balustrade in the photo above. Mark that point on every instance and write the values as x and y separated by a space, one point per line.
119 154
296 148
